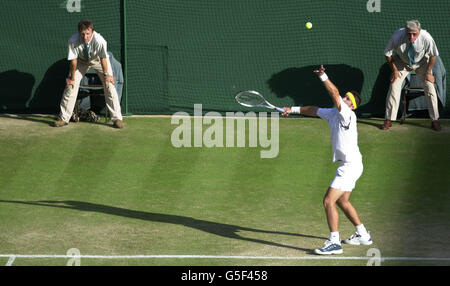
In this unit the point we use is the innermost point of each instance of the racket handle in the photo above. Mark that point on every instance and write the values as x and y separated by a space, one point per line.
280 109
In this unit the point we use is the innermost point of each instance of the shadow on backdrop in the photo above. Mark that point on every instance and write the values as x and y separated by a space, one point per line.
220 229
49 92
376 105
15 90
303 86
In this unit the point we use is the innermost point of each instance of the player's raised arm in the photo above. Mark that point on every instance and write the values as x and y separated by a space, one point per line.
330 87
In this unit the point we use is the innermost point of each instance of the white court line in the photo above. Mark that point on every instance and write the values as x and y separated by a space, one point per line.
10 260
12 257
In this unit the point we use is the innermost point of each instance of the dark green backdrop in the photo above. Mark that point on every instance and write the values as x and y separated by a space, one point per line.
176 53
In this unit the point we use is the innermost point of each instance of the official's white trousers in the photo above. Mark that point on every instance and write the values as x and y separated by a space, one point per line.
70 93
394 93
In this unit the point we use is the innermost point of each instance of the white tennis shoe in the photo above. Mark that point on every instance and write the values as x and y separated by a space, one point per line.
357 239
329 248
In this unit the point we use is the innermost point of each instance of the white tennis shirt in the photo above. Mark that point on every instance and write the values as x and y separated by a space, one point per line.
399 45
344 134
97 47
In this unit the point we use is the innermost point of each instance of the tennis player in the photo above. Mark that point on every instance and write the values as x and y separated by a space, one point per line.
344 140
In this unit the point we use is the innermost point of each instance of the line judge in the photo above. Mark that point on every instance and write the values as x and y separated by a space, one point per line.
87 49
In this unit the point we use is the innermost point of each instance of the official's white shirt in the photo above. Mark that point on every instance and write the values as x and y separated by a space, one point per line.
344 134
399 45
97 47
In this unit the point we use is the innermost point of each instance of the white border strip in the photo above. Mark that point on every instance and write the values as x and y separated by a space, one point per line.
12 257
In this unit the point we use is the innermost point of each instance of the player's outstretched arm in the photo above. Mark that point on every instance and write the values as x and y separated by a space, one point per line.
329 86
304 110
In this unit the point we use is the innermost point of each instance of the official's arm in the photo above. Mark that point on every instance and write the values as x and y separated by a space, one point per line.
73 68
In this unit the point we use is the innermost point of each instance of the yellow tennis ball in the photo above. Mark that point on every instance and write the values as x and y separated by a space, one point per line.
308 25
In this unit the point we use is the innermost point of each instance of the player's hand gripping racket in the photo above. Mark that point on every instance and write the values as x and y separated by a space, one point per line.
251 98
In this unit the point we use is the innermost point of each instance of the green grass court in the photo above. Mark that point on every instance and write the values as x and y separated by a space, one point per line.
113 193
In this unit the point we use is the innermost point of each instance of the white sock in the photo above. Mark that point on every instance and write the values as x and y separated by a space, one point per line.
361 230
334 237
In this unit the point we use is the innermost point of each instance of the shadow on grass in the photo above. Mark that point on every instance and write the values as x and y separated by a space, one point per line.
33 118
377 123
50 119
371 122
220 229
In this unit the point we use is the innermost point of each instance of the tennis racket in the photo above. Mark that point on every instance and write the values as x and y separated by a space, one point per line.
251 98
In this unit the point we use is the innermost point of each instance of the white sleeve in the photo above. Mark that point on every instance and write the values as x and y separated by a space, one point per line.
345 114
325 113
72 54
103 51
431 47
389 50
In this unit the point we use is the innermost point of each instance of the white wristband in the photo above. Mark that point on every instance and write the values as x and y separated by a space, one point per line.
323 77
295 109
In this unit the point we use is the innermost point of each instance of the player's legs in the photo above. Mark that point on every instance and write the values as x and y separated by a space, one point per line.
346 176
333 243
329 203
361 235
338 194
349 210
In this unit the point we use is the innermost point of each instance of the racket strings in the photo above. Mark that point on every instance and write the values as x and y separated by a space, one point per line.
251 99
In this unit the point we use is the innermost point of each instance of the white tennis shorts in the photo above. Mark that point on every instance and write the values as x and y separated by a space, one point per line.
346 176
